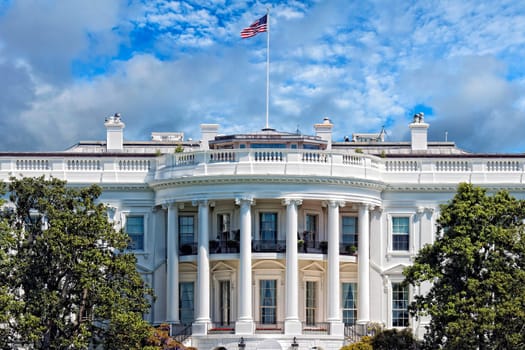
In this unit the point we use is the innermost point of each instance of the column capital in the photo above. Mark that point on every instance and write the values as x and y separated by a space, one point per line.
333 203
367 206
241 200
294 201
199 202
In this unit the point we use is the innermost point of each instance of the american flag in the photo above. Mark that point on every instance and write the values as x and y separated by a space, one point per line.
259 26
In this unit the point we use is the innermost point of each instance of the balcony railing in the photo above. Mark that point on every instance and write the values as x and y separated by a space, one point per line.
338 163
188 248
276 246
223 246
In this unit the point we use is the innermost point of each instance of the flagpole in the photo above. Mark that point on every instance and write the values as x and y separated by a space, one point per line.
267 66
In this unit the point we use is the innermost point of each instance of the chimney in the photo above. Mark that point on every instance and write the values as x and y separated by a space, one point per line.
114 133
418 133
208 133
324 131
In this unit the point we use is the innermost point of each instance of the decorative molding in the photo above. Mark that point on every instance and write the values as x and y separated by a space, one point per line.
240 200
288 201
202 180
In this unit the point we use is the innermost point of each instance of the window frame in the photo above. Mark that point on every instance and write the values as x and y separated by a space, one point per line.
355 300
179 226
260 224
406 292
355 234
390 234
145 219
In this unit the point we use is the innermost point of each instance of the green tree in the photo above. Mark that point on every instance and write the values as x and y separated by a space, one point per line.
67 281
476 298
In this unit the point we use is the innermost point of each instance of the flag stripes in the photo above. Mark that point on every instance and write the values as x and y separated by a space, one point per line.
259 26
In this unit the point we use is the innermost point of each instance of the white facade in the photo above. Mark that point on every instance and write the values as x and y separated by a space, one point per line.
251 235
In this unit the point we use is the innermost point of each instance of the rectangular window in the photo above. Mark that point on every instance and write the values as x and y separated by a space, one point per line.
311 302
186 294
135 230
349 303
349 230
186 229
225 302
268 224
400 233
399 305
268 301
223 225
311 227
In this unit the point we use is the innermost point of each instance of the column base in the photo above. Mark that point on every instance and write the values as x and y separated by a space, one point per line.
200 327
361 327
293 327
244 327
337 328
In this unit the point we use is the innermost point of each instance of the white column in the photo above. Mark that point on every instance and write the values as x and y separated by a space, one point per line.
292 324
363 264
172 265
334 312
202 307
244 323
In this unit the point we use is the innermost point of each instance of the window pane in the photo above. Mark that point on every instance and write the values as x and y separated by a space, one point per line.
186 302
225 302
349 303
268 222
349 232
135 230
400 233
268 307
400 315
186 229
311 302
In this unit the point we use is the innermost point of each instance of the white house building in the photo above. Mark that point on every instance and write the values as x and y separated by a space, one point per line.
274 240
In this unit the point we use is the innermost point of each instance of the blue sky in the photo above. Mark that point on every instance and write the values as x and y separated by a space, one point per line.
65 65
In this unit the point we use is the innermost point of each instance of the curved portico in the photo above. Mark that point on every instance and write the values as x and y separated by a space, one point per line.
248 201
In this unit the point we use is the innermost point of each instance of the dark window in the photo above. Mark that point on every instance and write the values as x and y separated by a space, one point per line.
186 229
135 230
268 225
349 232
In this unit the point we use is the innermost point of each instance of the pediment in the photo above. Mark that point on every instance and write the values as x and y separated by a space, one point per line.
222 266
395 270
314 266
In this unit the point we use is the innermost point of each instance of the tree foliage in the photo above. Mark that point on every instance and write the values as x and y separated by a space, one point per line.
476 267
67 282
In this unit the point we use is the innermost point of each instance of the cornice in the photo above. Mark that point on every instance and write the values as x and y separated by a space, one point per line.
266 179
451 187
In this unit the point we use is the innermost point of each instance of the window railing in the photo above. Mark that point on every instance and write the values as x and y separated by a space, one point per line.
351 334
224 246
268 246
188 249
181 332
